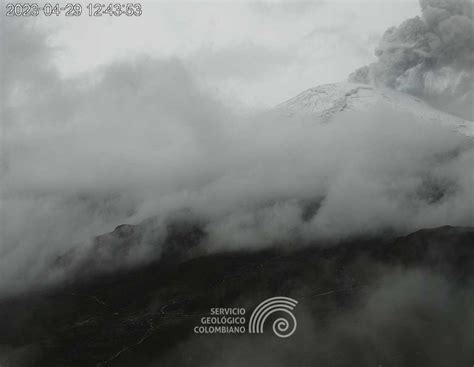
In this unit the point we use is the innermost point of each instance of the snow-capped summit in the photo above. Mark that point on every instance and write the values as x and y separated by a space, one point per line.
324 101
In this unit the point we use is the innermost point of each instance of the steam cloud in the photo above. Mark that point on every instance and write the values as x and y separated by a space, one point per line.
431 56
143 139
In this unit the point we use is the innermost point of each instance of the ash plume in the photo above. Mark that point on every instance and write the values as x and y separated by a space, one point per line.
429 56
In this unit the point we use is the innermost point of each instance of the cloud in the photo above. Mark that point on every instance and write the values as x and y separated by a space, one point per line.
430 56
404 316
269 58
245 61
143 139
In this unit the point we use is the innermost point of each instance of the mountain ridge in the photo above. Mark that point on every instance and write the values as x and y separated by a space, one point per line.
325 101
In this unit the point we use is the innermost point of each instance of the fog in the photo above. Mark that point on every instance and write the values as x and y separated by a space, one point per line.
143 138
406 317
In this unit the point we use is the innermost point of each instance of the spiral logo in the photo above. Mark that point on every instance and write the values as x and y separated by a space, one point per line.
282 326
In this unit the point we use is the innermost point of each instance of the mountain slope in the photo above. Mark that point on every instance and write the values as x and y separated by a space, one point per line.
324 101
391 302
380 301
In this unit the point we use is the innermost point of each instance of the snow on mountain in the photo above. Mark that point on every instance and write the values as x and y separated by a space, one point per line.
324 101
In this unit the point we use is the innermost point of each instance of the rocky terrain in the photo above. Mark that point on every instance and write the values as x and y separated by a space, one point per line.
367 300
404 301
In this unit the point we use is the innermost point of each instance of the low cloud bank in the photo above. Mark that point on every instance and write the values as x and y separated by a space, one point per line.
143 139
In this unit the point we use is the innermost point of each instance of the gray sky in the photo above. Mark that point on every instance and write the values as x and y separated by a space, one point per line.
252 53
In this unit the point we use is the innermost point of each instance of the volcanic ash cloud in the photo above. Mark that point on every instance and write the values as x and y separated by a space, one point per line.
429 56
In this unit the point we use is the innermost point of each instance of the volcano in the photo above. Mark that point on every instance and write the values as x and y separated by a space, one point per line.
380 300
325 102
